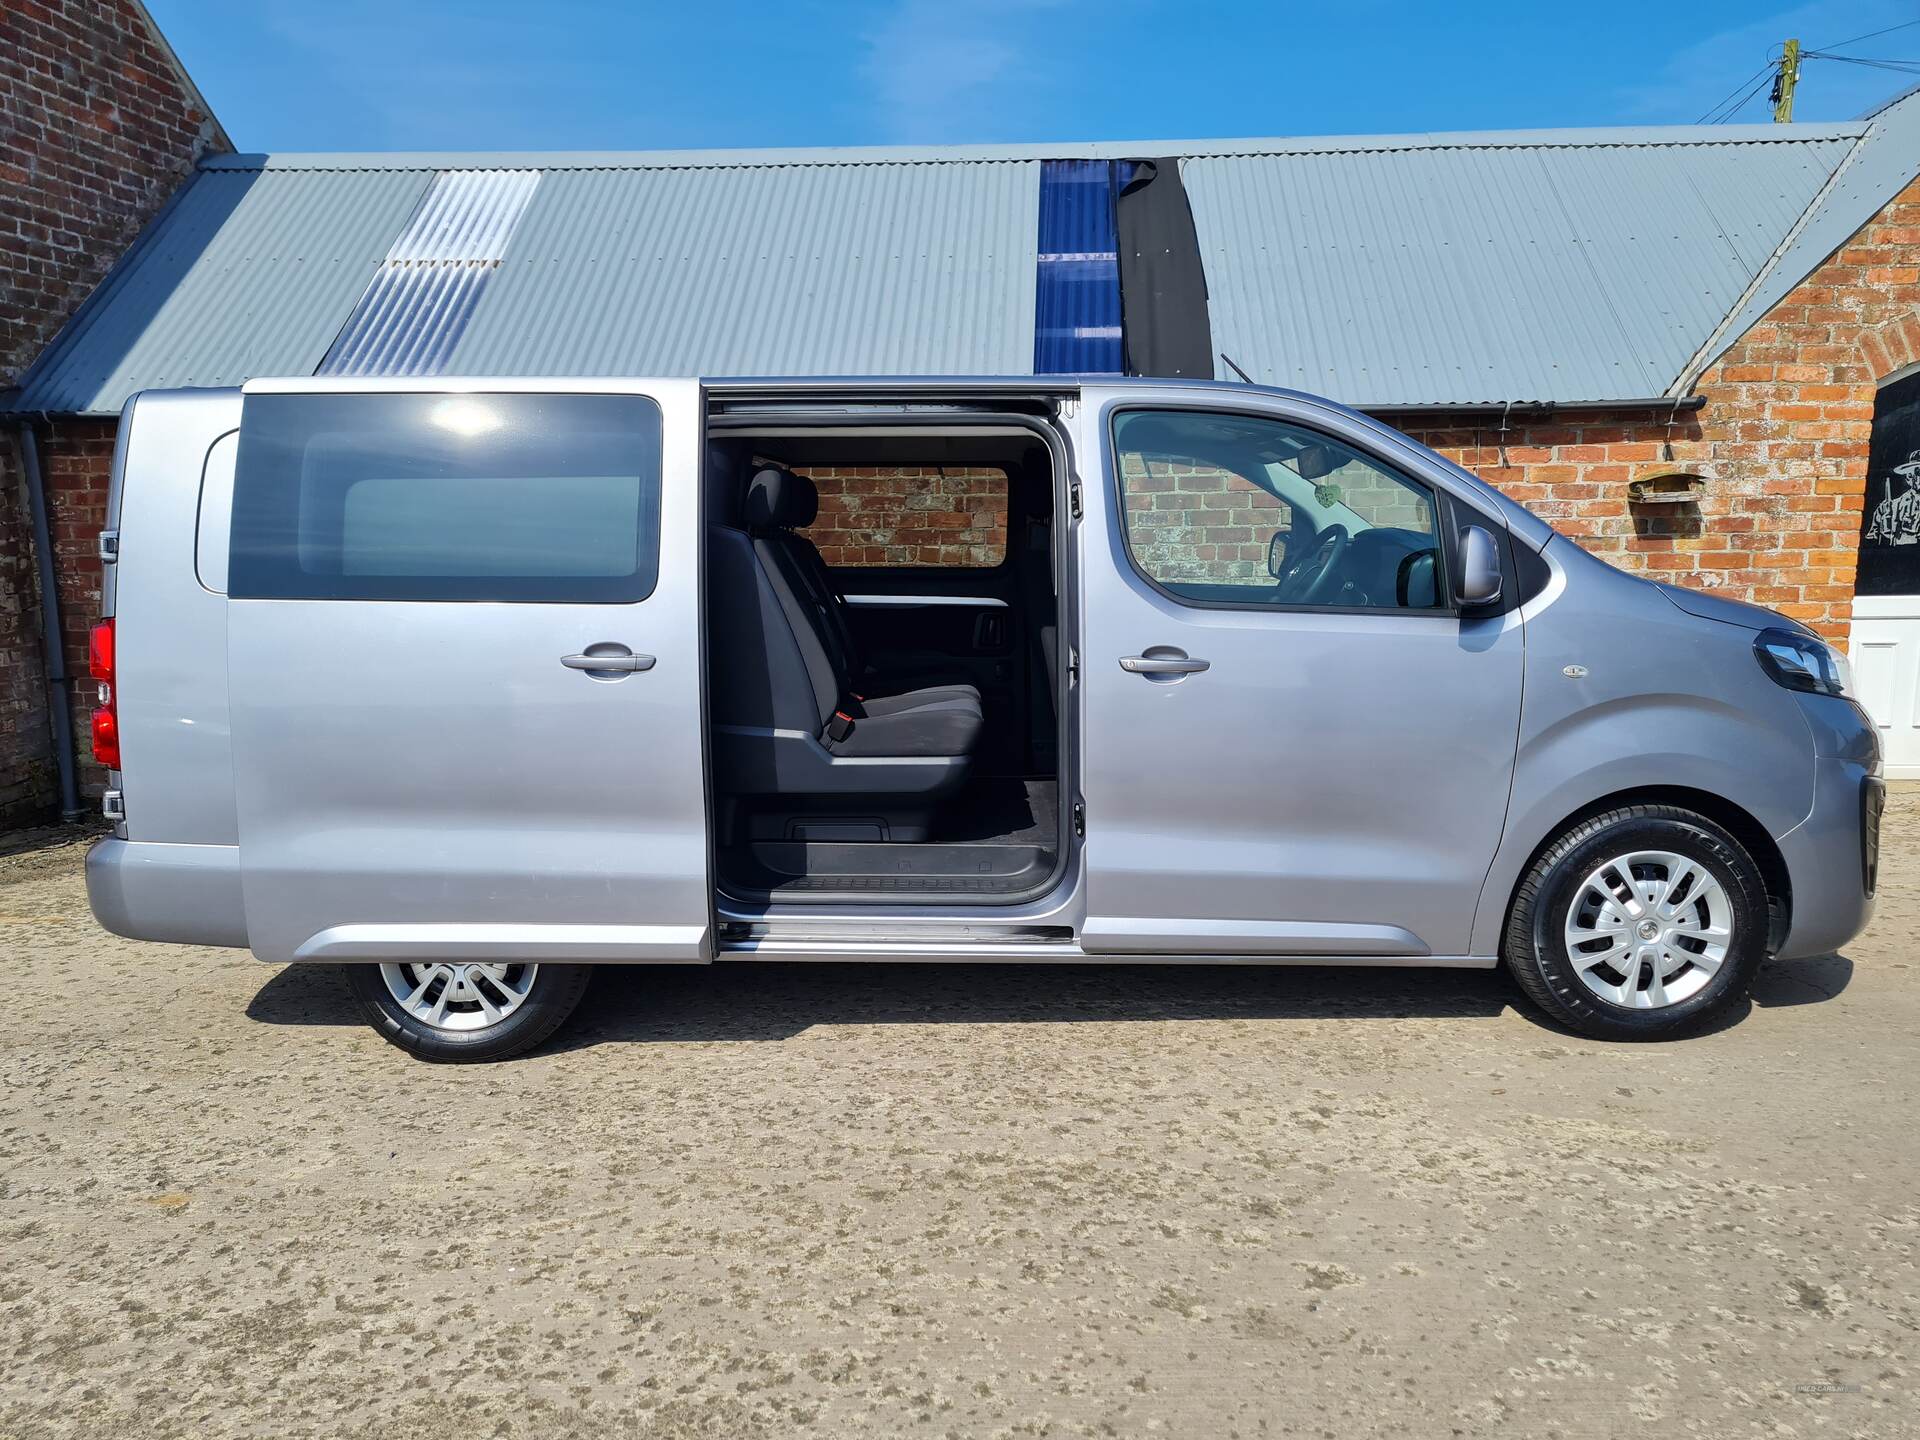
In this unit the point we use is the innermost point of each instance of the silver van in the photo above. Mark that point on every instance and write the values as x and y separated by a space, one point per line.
474 684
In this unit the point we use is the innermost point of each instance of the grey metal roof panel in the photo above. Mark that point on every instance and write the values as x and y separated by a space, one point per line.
245 273
837 269
1479 274
1876 168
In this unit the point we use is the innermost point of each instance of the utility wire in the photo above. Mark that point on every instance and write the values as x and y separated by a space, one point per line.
1903 67
1746 90
1751 81
1903 25
1725 111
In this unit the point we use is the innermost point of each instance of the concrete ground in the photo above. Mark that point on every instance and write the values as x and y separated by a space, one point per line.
952 1202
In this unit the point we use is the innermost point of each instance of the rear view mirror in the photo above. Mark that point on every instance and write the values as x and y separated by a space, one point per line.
1277 554
1313 461
1479 582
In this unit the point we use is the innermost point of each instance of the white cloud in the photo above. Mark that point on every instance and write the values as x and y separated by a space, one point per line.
944 70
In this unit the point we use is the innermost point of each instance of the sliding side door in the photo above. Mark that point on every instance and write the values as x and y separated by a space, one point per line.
465 667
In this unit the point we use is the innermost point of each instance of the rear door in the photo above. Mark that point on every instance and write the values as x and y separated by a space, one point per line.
466 672
1292 747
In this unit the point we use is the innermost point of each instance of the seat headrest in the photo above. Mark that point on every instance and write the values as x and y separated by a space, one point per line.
778 499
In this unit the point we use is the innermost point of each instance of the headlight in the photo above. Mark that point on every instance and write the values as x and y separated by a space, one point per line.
1801 662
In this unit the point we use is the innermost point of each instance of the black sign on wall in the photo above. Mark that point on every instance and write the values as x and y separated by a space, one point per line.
1890 527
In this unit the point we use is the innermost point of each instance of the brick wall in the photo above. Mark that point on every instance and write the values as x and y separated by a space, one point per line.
932 515
99 130
98 127
78 456
1195 522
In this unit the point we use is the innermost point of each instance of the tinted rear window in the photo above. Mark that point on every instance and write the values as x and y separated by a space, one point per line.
446 497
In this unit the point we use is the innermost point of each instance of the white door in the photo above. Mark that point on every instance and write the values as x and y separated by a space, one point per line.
465 666
1884 645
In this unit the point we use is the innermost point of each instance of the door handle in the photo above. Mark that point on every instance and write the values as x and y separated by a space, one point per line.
1173 663
621 661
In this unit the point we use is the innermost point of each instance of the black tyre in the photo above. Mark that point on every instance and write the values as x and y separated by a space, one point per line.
1639 924
449 1011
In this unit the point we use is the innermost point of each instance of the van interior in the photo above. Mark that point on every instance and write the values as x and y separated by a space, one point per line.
884 662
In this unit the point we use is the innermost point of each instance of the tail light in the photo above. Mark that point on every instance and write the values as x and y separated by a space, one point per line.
106 715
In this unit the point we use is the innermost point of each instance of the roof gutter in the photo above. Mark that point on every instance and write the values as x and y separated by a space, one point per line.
52 645
1543 409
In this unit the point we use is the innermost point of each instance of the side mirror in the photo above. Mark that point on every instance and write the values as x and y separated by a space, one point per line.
1479 567
1277 553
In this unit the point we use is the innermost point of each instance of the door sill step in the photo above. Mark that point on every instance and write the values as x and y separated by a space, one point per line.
898 951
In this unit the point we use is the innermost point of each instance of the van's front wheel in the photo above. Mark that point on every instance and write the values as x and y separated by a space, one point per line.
1638 924
452 1010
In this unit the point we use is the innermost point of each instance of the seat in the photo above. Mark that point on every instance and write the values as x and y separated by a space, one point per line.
797 499
787 718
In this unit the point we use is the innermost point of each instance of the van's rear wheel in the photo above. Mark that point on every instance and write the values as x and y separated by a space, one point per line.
451 1010
1639 924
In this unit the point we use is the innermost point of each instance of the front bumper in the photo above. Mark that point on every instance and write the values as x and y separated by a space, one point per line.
1832 856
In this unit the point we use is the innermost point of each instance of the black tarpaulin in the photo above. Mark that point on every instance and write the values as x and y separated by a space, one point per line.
1163 286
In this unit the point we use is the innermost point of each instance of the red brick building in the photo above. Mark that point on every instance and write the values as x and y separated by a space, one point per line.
99 127
1674 344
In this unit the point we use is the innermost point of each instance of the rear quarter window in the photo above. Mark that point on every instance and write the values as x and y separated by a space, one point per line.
921 517
541 498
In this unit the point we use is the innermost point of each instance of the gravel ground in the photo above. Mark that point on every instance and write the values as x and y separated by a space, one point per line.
982 1201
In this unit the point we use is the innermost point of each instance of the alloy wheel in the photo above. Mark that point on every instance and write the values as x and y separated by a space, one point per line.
1648 929
453 996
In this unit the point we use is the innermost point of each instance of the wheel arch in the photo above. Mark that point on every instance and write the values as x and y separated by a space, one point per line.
1737 822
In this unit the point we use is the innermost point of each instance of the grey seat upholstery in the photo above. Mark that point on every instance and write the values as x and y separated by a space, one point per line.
786 716
797 501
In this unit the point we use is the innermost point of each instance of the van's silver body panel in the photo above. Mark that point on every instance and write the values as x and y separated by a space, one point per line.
1332 784
324 780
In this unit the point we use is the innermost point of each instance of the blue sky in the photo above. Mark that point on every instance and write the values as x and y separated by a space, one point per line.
596 74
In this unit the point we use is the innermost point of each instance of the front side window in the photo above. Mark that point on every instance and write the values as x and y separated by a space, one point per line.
1229 509
446 497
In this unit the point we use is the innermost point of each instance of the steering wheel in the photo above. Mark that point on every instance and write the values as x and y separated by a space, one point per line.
1316 575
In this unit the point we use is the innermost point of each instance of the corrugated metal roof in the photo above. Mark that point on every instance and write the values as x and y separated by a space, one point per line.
247 272
418 303
1486 274
1418 269
1063 150
1875 169
834 269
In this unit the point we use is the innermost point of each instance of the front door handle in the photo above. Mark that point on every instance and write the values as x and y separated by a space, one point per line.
608 660
1162 660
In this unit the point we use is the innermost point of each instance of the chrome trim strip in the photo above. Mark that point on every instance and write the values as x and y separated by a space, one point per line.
896 952
518 943
912 602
